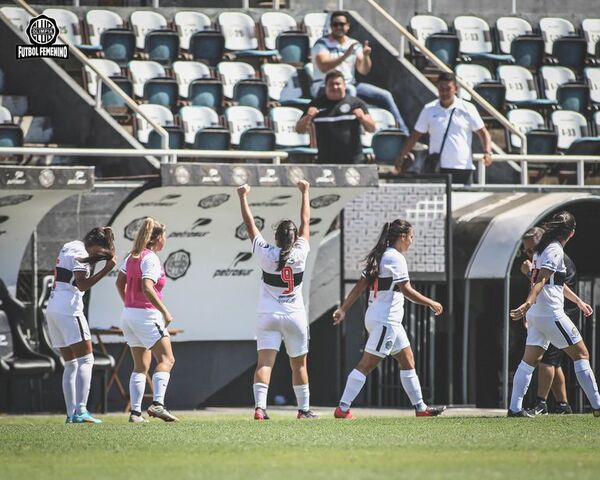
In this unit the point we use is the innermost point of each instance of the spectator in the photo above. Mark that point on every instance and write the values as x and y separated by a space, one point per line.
337 118
340 52
461 119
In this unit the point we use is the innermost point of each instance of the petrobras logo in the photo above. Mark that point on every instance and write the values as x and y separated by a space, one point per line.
326 178
278 201
270 177
194 231
213 176
78 178
165 201
177 264
234 270
324 200
12 200
18 178
213 201
241 231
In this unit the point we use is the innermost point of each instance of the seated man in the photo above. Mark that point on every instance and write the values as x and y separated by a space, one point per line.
337 118
340 52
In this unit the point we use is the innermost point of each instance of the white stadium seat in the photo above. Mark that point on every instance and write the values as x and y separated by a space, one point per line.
195 118
383 120
509 28
18 16
232 72
158 113
107 67
5 115
239 119
472 74
591 31
284 121
100 20
188 23
143 22
525 120
274 23
238 30
68 24
187 72
424 25
520 85
316 25
569 126
596 119
592 77
142 71
282 80
553 77
553 28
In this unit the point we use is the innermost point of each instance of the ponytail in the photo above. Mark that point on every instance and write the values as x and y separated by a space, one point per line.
102 237
390 232
285 237
558 228
147 235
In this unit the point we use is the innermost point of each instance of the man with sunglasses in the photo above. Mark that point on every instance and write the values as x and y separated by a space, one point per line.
338 51
550 373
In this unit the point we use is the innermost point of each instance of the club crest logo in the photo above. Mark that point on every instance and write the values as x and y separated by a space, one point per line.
177 264
213 201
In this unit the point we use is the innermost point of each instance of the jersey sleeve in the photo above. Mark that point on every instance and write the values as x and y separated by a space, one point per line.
551 258
150 266
260 247
422 125
397 268
318 48
79 266
475 120
303 246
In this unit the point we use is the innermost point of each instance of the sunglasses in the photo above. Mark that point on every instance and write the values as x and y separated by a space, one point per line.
339 24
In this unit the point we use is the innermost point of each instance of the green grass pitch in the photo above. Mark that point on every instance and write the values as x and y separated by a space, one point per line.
233 446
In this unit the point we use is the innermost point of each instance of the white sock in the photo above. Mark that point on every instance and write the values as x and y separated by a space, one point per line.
160 380
83 381
302 396
585 377
412 387
68 385
137 385
520 385
354 384
260 395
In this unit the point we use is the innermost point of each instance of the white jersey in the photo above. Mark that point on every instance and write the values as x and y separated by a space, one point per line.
66 298
551 298
281 291
386 303
150 266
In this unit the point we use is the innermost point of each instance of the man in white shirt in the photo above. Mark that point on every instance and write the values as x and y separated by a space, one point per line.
461 118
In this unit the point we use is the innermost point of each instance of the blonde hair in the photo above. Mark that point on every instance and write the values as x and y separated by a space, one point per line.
147 235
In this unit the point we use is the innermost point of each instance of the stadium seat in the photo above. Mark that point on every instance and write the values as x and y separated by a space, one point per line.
445 46
520 87
118 45
158 113
195 118
471 74
494 93
188 23
476 39
553 77
212 139
5 115
316 25
386 145
384 120
239 119
592 77
176 138
284 121
251 93
187 72
162 91
99 20
284 84
574 96
18 16
591 30
509 28
553 28
232 72
596 122
111 101
11 135
107 67
422 26
143 22
257 139
206 93
239 31
274 23
584 146
569 126
570 52
525 120
207 46
69 25
154 37
528 51
143 70
293 48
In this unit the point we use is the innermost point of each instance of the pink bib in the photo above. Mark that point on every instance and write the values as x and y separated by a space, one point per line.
134 295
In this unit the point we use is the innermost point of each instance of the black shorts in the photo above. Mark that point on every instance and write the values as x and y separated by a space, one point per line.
553 356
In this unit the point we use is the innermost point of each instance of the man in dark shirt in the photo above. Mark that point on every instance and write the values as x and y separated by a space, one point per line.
337 118
550 373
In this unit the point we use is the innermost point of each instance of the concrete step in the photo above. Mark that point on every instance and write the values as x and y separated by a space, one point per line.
36 129
16 104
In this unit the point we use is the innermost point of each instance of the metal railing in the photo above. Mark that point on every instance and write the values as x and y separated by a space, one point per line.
443 67
524 160
101 77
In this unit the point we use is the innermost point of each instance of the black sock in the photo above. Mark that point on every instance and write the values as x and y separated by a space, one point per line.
157 404
136 413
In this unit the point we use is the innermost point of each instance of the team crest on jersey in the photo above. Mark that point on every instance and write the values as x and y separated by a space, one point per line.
324 200
213 201
11 200
389 344
177 264
241 231
132 228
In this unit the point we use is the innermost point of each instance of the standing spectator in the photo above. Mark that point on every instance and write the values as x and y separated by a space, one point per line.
337 118
338 51
450 123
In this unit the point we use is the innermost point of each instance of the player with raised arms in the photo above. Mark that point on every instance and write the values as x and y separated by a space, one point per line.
546 317
281 312
145 320
386 275
67 326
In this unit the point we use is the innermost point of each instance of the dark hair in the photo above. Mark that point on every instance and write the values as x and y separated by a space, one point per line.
101 237
446 77
285 236
558 228
339 13
534 233
390 232
334 74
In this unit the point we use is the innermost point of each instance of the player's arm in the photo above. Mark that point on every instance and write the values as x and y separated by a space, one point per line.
409 292
303 186
84 284
357 291
542 278
246 212
153 298
121 284
571 295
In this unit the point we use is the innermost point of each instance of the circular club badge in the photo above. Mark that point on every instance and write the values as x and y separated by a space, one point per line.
42 31
177 264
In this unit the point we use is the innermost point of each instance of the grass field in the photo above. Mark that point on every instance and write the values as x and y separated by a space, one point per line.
234 447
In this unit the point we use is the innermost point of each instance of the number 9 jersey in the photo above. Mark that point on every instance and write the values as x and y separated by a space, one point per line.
281 291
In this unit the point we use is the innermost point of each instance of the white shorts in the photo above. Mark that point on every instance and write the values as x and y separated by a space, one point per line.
142 327
67 330
291 327
557 330
385 338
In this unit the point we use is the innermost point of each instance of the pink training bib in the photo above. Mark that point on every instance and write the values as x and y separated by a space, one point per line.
134 295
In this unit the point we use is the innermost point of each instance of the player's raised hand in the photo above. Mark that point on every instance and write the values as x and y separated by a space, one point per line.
303 186
338 316
243 190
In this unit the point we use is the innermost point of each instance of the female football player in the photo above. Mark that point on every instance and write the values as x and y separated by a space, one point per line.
386 275
67 326
281 312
